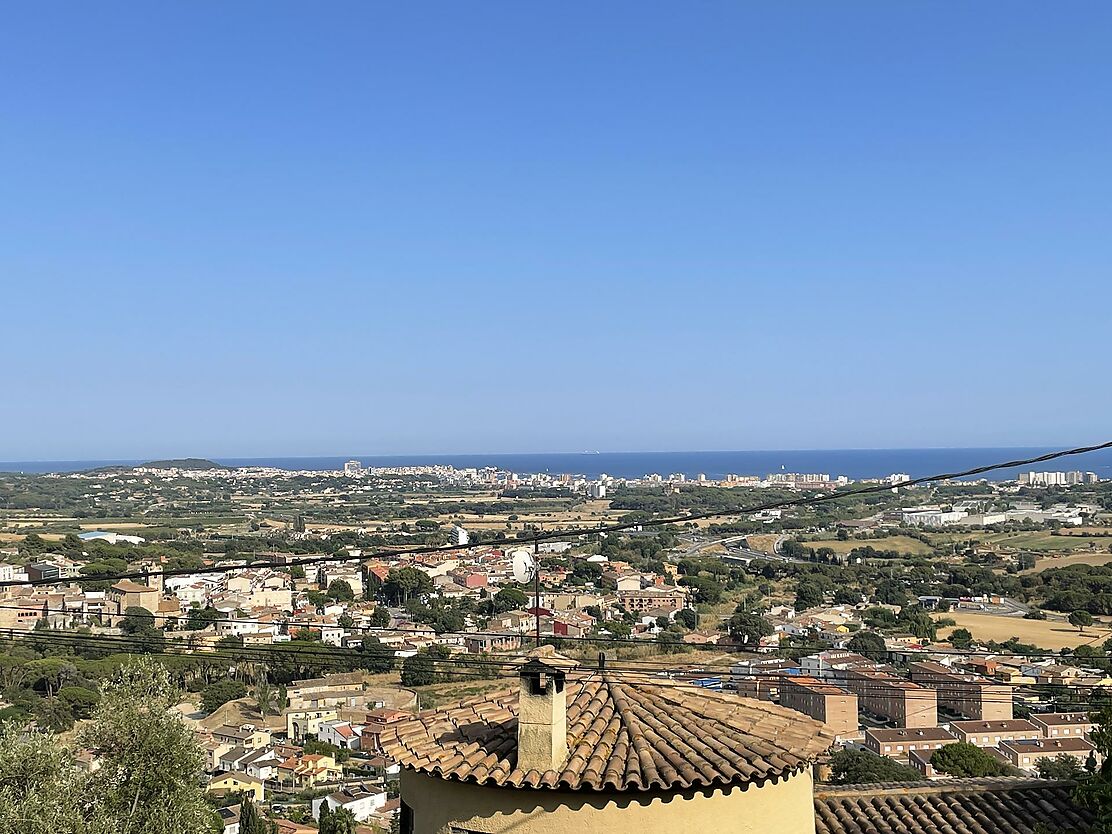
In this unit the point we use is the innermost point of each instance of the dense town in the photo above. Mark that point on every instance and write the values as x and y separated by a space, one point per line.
904 623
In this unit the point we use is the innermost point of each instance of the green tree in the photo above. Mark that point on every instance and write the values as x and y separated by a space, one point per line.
509 599
1062 766
418 670
137 620
266 697
251 821
201 618
40 788
377 656
807 595
749 628
869 644
380 618
217 694
961 638
340 590
687 618
149 781
860 766
1081 619
964 759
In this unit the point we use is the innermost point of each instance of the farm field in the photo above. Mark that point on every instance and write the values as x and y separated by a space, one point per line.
1047 634
1047 562
902 544
1034 540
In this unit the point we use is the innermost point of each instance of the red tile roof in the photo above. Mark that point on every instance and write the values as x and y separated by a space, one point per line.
633 734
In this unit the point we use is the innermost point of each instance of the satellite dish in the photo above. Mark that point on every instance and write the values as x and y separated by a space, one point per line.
524 566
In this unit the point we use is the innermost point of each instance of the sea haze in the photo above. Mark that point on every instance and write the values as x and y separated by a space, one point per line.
853 463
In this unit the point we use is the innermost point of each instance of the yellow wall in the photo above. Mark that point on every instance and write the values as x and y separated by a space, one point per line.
784 807
231 784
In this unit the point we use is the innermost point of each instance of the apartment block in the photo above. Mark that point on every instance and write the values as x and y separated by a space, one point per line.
1025 754
833 706
902 702
992 733
1063 724
899 743
970 696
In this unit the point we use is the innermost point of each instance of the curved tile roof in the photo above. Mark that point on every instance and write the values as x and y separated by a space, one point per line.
1002 805
635 734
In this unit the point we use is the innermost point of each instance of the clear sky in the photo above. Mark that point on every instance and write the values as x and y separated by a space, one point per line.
271 228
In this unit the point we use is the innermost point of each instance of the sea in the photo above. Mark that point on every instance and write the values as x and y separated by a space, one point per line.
853 463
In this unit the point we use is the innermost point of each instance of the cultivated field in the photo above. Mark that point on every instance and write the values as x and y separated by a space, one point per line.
1039 541
1047 634
901 544
1045 562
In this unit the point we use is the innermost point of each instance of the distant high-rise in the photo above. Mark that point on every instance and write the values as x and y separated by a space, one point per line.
353 468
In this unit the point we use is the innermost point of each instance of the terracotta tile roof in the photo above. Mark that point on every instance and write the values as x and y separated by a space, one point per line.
636 734
954 806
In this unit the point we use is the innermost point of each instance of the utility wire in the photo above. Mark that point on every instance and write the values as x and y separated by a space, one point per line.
579 532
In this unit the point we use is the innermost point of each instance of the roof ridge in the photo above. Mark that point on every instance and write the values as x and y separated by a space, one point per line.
958 785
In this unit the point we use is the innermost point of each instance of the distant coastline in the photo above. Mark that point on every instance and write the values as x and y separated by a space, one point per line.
853 463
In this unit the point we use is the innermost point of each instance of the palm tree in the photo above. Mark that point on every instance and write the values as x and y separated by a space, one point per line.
266 697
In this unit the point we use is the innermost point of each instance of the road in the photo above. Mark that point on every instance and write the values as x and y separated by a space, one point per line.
736 552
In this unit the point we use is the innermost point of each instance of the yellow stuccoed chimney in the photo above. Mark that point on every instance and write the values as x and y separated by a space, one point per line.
542 718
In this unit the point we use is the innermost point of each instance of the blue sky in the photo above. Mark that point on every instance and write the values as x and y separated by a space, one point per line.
237 229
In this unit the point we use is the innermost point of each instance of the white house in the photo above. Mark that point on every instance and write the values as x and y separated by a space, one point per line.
362 800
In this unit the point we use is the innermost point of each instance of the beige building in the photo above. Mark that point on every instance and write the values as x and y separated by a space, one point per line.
1025 754
653 599
596 752
1063 724
904 703
970 696
991 733
126 594
833 706
899 743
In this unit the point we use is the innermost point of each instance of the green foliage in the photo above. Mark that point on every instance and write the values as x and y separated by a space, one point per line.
340 590
251 821
1081 619
201 618
687 618
377 656
868 644
418 670
861 766
217 694
1063 766
509 599
964 759
380 618
149 777
749 628
961 638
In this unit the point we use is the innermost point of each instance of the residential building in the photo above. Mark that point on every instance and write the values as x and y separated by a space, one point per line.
992 733
898 743
362 800
833 706
237 783
1026 753
306 722
970 696
1063 724
650 599
894 699
342 734
309 771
